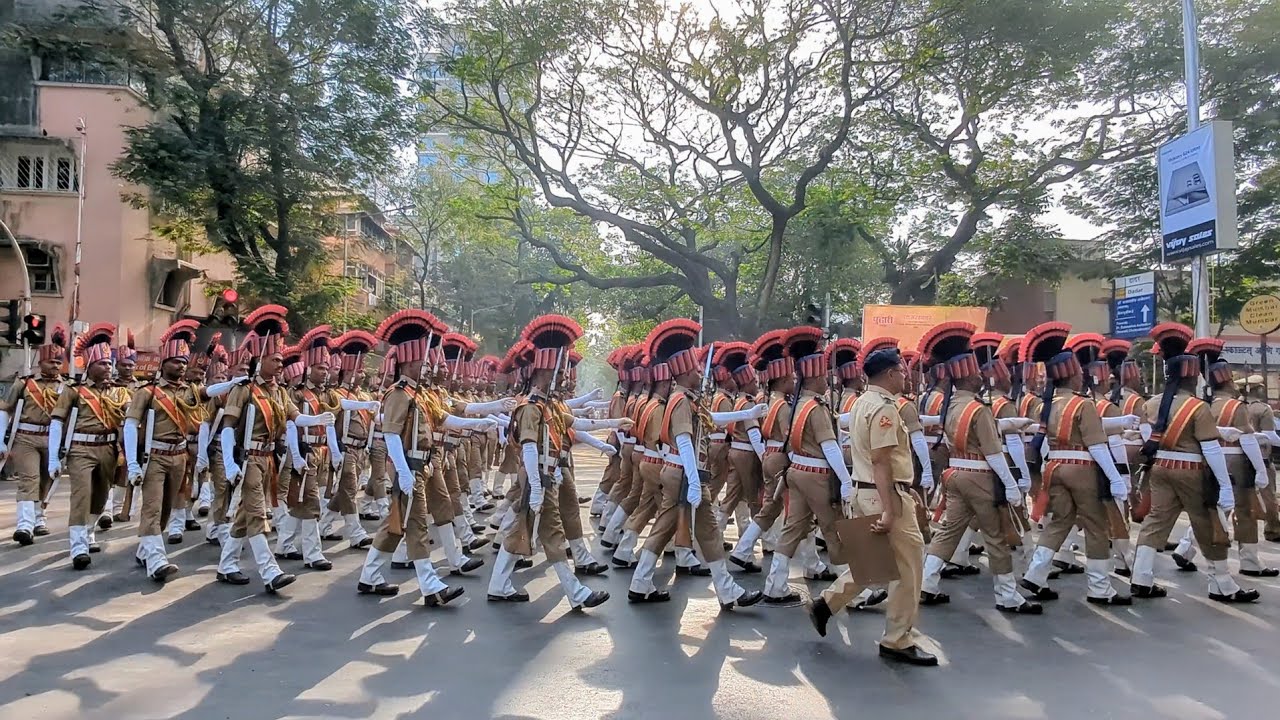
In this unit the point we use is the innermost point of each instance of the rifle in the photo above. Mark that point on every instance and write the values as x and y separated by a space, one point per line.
13 431
70 430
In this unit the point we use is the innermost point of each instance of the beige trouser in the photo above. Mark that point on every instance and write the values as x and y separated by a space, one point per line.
809 501
671 506
221 490
1172 493
550 525
343 500
903 606
718 466
303 498
611 472
510 463
376 488
414 529
452 468
162 485
621 490
1246 521
570 516
647 489
1271 529
772 466
257 496
971 500
91 469
439 501
744 482
1074 501
29 458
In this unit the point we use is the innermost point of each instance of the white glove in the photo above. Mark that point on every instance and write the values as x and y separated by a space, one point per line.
1018 453
1217 462
757 441
1101 454
229 467
689 460
1118 424
1012 424
926 478
295 452
1013 495
574 403
364 476
1252 450
1226 498
222 388
135 474
920 447
335 449
405 481
1000 466
202 463
1229 434
536 493
370 405
529 458
930 420
324 418
54 465
202 448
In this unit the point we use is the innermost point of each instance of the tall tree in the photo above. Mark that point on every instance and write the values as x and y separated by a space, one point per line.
267 112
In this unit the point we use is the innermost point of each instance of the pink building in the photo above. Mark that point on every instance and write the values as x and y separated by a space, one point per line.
127 275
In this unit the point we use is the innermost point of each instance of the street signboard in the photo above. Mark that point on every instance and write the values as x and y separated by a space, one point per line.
1261 315
1133 306
1198 193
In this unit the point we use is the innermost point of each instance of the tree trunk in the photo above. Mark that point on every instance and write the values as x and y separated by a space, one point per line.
920 286
770 281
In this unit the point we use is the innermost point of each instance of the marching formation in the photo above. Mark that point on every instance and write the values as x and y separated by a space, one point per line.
1027 449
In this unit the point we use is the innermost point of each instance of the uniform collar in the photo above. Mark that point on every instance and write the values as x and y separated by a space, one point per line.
962 394
873 388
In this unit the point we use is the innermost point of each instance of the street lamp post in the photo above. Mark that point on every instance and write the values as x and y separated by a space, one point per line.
26 294
1191 72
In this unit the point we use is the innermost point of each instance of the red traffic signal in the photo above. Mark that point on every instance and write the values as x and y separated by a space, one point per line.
230 295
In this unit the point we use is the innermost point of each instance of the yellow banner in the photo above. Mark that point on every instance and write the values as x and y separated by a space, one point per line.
909 323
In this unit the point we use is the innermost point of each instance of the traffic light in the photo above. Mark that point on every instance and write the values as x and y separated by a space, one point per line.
33 329
11 322
225 308
813 315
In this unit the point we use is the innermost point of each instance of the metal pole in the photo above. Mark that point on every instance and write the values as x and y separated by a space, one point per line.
75 291
26 294
1266 391
1191 73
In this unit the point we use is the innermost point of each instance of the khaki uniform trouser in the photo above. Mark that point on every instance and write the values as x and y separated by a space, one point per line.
1074 501
91 468
343 500
744 483
1172 493
303 497
771 508
439 501
718 466
414 529
257 497
510 463
551 536
570 516
809 501
475 465
452 469
221 490
611 473
29 458
971 501
672 506
621 489
1246 521
494 451
1268 494
376 488
647 489
162 486
903 606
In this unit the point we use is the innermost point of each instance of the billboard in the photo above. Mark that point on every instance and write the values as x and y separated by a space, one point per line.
909 323
1198 193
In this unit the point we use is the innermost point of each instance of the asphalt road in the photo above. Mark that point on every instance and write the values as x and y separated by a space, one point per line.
109 643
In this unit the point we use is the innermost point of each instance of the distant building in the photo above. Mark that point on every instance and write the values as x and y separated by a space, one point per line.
372 252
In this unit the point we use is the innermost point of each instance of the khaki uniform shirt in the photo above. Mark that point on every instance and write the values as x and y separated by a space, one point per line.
405 400
910 415
983 438
780 409
277 401
87 421
361 423
1202 427
167 429
875 423
819 426
32 412
1087 429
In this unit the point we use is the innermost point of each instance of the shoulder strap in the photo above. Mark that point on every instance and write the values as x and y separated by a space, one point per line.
37 396
771 418
673 401
170 408
94 403
1067 422
999 404
966 424
1181 419
802 417
1102 407
1229 409
1131 404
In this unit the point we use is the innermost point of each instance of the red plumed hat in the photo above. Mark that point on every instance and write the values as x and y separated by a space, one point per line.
315 345
946 347
95 345
674 343
551 336
412 333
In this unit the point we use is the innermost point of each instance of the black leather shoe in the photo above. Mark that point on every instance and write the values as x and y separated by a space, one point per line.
1149 592
1264 572
1114 600
622 563
517 597
202 512
976 549
81 562
192 526
381 589
747 566
595 599
584 500
280 581
291 555
608 545
1054 574
819 615
41 530
1068 568
23 537
397 565
657 596
524 563
1239 596
471 564
951 570
321 565
331 537
788 599
95 548
476 544
444 597
1170 547
1123 572
485 507
911 656
875 598
164 574
174 540
696 571
594 568
362 544
1184 564
820 542
477 528
233 578
105 522
369 516
824 576
214 541
1039 592
928 598
749 598
1026 608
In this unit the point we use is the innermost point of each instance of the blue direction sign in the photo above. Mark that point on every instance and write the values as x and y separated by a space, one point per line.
1133 306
